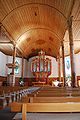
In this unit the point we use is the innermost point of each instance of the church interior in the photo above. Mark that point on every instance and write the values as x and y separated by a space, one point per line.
40 59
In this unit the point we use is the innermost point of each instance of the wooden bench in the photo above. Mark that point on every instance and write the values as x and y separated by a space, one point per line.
52 95
9 94
60 92
38 83
57 94
44 107
26 99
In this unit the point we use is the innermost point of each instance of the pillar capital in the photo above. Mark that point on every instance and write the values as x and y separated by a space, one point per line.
14 44
69 21
62 44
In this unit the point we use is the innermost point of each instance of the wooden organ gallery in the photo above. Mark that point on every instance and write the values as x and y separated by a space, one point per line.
41 67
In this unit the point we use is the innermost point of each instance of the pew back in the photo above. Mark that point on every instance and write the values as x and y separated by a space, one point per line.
44 107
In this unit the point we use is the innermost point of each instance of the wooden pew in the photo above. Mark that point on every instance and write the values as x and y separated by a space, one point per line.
44 107
57 94
52 95
26 99
59 89
60 92
9 94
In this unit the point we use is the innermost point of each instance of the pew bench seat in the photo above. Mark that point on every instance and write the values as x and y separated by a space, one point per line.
44 107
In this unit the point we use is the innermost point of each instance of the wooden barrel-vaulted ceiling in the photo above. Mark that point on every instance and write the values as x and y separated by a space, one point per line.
36 25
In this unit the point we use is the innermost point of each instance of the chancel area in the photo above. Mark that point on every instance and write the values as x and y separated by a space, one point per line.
39 59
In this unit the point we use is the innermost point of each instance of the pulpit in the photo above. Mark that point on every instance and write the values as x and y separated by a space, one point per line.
41 67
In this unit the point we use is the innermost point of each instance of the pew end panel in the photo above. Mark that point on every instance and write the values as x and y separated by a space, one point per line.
16 107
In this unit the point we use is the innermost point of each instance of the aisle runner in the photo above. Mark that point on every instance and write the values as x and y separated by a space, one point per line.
49 116
32 89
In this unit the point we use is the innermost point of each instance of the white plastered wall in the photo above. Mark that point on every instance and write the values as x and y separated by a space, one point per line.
27 66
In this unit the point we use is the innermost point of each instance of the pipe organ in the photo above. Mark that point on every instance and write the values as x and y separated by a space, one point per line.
41 67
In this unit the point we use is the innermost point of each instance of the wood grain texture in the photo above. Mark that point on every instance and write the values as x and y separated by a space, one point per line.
37 20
